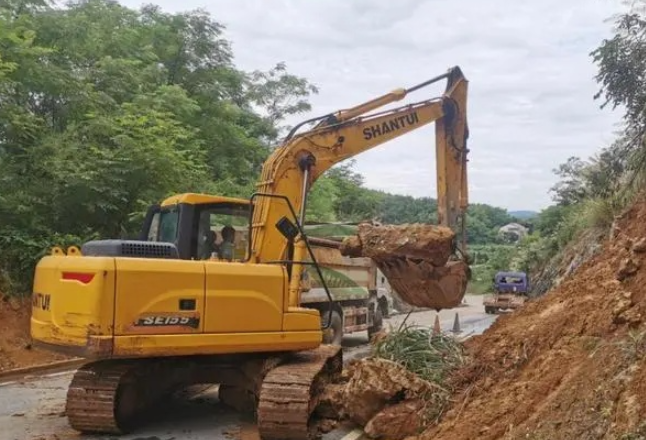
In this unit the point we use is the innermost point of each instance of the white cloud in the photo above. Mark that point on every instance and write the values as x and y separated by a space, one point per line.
531 79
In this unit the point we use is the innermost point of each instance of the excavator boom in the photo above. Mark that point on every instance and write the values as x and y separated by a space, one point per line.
293 168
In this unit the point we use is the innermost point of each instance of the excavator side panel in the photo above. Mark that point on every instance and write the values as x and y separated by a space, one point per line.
73 305
187 307
158 297
244 298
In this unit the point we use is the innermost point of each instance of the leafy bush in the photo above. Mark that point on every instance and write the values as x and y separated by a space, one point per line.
420 351
20 253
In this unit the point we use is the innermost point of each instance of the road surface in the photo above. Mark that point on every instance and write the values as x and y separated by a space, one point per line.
33 408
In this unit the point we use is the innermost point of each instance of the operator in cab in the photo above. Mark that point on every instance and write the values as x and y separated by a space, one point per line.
226 248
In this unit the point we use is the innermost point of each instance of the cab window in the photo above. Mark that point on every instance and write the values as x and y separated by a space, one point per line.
223 231
164 226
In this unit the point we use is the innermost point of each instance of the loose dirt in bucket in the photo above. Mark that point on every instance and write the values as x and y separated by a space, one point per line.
15 344
415 258
426 242
570 365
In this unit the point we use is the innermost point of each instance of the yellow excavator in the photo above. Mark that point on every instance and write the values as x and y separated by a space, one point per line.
174 308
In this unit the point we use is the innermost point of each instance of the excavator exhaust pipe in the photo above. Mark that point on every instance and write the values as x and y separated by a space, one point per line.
416 259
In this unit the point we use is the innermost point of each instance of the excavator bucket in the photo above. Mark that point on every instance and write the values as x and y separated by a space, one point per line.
417 261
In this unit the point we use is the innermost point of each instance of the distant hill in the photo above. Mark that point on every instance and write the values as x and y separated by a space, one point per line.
522 215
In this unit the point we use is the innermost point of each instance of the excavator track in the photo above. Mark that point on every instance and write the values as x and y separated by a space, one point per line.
109 396
93 398
290 392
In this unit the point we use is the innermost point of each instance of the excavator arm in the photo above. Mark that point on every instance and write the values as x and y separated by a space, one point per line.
293 167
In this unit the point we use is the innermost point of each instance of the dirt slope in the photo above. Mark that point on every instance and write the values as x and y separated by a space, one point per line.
566 262
15 344
570 365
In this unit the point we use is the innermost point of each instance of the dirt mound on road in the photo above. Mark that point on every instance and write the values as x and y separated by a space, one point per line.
569 365
15 342
400 389
385 398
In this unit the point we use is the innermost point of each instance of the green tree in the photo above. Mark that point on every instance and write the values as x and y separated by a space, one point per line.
354 203
107 109
570 188
280 94
621 62
321 200
550 218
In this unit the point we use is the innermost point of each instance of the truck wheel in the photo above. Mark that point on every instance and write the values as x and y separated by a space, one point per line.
377 323
334 334
382 304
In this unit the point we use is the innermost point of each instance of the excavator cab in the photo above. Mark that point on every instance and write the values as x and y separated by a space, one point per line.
200 226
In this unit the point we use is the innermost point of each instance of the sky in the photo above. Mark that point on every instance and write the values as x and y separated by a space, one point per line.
531 78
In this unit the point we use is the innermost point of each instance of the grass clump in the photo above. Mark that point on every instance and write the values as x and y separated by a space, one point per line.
430 356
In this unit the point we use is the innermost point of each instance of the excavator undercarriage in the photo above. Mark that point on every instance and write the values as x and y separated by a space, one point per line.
282 390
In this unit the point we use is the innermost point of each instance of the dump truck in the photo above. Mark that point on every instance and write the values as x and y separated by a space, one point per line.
360 294
509 292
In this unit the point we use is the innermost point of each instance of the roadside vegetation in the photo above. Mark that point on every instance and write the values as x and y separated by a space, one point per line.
592 192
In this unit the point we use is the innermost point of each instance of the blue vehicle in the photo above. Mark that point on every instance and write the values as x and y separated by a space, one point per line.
510 290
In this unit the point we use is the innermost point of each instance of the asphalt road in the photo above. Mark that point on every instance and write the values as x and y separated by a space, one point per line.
33 409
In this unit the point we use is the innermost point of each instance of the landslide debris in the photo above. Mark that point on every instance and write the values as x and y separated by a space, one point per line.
400 389
416 260
568 365
15 342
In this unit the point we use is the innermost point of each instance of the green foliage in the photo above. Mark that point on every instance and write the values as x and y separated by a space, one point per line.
533 252
107 109
487 260
621 65
484 221
20 253
417 349
549 219
523 215
621 62
431 357
321 201
591 193
280 93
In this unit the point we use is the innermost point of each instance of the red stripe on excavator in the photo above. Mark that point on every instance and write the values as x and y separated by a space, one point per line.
82 277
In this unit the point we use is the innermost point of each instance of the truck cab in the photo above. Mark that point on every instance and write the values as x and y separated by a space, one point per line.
509 291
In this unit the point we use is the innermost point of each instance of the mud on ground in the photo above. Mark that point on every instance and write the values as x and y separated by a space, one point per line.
569 365
15 343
